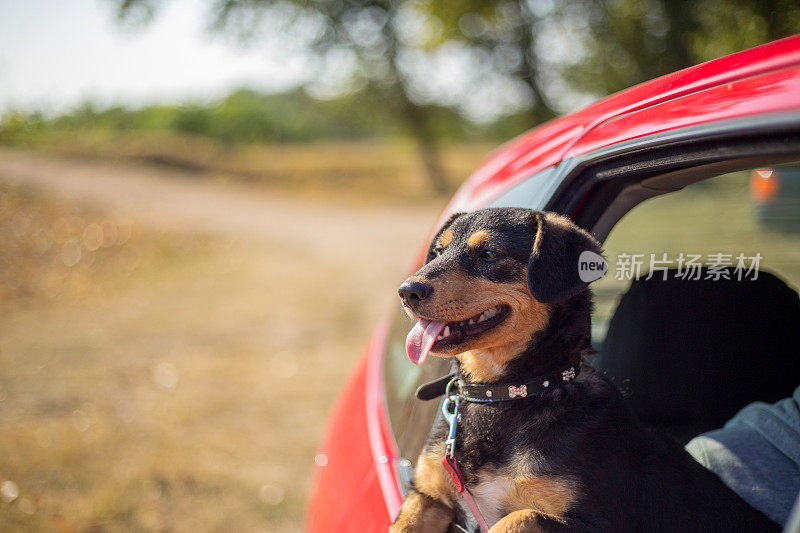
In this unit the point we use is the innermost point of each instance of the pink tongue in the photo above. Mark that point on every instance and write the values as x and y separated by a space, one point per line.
421 338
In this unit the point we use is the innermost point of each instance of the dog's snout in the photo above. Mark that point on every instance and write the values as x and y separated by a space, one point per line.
413 292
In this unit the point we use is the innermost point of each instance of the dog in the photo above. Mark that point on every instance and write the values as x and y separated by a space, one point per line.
541 441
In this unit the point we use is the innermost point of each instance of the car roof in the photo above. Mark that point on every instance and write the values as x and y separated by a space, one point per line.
553 141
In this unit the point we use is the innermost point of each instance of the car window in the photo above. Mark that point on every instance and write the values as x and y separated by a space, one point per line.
747 221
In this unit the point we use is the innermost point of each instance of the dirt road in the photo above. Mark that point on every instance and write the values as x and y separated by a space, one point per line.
196 367
380 235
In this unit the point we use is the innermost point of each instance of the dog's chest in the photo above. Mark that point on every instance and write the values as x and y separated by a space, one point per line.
491 494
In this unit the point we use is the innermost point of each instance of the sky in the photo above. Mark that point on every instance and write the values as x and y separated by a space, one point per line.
57 54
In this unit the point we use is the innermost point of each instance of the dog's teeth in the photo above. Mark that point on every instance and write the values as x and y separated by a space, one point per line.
482 318
440 337
447 331
490 312
471 321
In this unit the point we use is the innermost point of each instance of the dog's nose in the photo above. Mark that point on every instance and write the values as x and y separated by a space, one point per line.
413 292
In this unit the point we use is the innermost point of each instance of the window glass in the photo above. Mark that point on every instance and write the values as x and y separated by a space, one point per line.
409 417
748 220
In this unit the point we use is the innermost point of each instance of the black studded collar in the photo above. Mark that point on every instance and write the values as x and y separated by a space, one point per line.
498 392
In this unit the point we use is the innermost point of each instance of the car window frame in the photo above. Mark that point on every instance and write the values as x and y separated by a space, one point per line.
666 162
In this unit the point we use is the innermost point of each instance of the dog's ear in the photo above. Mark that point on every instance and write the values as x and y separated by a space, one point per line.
431 255
556 265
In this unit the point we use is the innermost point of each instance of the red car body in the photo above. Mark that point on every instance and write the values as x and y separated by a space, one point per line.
356 486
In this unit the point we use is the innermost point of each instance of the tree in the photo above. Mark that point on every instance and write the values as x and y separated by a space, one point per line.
367 30
634 41
535 57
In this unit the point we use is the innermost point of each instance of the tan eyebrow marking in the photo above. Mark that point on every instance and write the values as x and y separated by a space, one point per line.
446 238
478 238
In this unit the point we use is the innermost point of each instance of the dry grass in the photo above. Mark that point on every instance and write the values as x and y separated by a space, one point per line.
372 171
170 380
164 381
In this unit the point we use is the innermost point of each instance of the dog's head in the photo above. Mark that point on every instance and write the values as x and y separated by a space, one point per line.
491 282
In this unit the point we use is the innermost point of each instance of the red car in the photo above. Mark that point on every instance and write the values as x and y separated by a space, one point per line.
669 174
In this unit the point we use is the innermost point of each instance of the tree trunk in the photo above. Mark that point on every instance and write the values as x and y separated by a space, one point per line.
529 73
681 23
416 117
417 120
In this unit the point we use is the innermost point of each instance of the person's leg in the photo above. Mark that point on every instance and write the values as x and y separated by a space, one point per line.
757 454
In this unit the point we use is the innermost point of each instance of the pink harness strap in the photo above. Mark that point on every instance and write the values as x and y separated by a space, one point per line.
451 465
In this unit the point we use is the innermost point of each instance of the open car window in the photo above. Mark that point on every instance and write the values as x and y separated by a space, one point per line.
745 221
698 313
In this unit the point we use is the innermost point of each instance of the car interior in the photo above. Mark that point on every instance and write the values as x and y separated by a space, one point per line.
689 353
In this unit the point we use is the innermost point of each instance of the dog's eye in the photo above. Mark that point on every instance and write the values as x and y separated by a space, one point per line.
488 253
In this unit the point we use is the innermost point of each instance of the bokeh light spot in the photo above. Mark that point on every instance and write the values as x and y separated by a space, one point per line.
166 375
124 230
9 491
764 172
93 237
110 233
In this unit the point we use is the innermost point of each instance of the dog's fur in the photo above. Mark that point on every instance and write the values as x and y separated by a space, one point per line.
574 458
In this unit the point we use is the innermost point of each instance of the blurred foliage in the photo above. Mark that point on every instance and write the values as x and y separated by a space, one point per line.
543 52
628 42
247 117
434 70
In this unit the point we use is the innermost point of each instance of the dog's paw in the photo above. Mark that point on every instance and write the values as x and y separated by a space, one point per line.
421 514
523 521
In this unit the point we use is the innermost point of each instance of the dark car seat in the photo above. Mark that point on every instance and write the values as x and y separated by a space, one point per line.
689 354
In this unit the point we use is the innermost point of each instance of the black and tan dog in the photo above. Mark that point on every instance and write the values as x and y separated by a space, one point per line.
501 292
